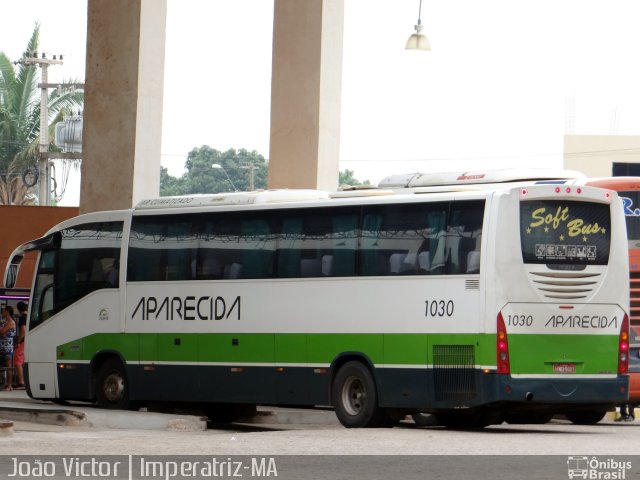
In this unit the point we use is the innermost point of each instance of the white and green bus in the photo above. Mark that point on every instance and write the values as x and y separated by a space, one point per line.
474 304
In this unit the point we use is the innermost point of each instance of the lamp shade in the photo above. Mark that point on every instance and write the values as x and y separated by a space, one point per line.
418 41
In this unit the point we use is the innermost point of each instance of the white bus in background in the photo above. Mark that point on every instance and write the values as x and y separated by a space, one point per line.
476 304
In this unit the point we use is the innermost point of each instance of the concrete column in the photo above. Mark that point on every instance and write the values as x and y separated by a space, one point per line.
305 94
123 103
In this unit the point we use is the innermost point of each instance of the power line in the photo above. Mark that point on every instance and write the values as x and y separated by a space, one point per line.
629 151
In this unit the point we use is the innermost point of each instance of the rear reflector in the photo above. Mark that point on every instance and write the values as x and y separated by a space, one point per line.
502 347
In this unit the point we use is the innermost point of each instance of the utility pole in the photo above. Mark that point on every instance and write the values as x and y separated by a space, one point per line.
44 176
252 168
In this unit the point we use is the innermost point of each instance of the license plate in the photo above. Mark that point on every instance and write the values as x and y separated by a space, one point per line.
564 368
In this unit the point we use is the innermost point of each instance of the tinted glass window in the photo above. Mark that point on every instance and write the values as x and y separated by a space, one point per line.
88 260
424 239
42 309
565 232
318 242
235 246
161 248
201 247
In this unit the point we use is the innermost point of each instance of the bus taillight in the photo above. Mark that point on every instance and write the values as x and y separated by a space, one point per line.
623 347
502 347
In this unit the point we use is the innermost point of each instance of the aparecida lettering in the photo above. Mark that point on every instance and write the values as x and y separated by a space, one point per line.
188 308
582 321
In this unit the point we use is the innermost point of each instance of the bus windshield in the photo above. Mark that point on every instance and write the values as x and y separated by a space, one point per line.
556 232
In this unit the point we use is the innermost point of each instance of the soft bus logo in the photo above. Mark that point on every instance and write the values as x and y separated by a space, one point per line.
574 227
187 308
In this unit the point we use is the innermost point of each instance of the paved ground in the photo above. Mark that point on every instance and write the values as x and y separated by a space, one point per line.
17 406
310 444
290 432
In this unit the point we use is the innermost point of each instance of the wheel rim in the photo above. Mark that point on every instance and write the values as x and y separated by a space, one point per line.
354 396
113 387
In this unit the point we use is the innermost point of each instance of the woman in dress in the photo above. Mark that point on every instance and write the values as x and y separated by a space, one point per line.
7 333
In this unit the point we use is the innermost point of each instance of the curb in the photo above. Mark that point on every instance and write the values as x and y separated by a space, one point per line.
64 418
6 428
17 406
288 416
116 419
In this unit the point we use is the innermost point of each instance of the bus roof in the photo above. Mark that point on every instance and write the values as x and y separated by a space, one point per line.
615 183
392 185
479 177
234 198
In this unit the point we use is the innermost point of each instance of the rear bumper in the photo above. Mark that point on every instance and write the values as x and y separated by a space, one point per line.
562 392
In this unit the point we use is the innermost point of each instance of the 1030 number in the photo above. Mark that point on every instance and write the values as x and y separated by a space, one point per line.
439 308
519 320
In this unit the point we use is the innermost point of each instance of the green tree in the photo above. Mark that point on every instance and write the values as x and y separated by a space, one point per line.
212 171
346 178
20 121
169 186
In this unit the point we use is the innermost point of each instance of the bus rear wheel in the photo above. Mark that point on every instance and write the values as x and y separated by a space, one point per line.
424 419
533 418
355 397
469 420
112 386
586 417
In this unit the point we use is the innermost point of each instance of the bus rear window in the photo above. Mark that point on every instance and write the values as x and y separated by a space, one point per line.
556 232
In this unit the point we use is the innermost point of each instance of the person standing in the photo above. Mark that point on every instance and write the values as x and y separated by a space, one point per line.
7 334
626 413
18 354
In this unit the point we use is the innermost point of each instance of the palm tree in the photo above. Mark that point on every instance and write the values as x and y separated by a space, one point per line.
20 121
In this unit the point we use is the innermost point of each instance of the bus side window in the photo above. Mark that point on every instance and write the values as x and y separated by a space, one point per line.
289 253
84 256
370 262
339 259
144 261
180 243
210 266
435 239
464 237
318 242
43 283
400 239
258 248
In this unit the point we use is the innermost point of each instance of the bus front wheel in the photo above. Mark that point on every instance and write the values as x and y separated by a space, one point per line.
112 386
355 397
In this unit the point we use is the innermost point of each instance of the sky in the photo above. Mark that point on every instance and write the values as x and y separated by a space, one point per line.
503 83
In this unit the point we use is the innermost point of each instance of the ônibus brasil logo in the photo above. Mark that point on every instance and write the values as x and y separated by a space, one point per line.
595 468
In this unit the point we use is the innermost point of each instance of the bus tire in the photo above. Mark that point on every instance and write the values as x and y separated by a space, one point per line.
586 417
112 386
355 397
469 420
424 419
534 418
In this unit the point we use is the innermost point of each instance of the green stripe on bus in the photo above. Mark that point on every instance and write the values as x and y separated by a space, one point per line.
400 349
592 354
